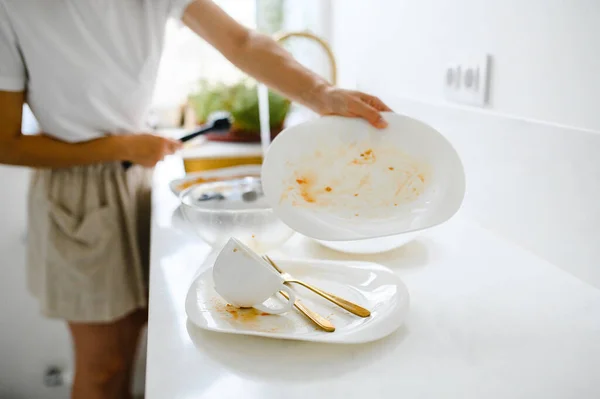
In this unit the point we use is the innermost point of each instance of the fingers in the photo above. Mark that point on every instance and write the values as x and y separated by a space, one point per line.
171 146
176 145
366 111
358 104
375 102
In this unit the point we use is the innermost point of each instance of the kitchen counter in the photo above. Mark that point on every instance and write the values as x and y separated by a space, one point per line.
487 320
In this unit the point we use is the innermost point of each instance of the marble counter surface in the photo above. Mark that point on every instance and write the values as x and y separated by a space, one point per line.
487 320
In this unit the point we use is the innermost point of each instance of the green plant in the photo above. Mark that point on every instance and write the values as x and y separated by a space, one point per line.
239 99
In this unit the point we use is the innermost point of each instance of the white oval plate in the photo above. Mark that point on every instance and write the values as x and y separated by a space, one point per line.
242 170
329 151
370 285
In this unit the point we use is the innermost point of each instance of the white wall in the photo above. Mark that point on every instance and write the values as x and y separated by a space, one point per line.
532 157
546 52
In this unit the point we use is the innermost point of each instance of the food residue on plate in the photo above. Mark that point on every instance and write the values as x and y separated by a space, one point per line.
202 179
364 158
355 178
249 314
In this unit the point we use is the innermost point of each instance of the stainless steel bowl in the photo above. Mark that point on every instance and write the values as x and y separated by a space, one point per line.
220 210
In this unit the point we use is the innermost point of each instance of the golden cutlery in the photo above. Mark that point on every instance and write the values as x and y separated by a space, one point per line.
341 302
313 316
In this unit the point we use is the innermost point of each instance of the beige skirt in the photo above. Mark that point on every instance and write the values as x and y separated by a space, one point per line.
88 241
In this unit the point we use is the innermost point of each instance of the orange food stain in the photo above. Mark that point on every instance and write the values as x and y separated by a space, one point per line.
400 187
366 157
202 180
356 195
253 236
328 189
304 189
421 178
244 315
391 168
307 197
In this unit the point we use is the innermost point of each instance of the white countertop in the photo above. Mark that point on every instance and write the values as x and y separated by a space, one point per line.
487 320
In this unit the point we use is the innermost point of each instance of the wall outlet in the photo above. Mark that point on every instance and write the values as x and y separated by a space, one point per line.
467 82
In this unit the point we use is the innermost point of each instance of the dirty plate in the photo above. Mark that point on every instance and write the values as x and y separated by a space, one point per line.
209 176
370 285
339 179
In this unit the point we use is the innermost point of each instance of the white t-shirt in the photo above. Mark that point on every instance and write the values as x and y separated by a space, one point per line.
88 66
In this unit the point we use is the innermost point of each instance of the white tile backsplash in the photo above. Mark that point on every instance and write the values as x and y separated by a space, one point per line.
536 184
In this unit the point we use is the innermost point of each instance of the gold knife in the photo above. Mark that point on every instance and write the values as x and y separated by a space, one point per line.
313 316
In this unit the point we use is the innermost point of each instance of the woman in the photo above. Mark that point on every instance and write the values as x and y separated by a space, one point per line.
87 69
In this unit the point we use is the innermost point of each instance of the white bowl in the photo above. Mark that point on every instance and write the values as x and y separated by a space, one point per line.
328 144
370 245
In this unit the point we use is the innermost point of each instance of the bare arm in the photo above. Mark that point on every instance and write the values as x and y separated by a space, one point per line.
45 152
261 57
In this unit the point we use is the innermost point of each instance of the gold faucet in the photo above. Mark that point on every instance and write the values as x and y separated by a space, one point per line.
283 36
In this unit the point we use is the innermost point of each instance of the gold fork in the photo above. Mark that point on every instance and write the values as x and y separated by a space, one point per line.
316 318
341 302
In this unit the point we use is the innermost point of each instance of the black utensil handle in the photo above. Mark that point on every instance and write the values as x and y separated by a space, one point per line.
197 133
223 124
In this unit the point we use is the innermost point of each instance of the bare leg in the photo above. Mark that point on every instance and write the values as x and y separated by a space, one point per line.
104 357
138 321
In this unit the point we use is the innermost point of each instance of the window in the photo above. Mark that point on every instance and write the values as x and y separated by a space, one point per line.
187 58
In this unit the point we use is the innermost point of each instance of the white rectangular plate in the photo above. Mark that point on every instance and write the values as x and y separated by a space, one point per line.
370 285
